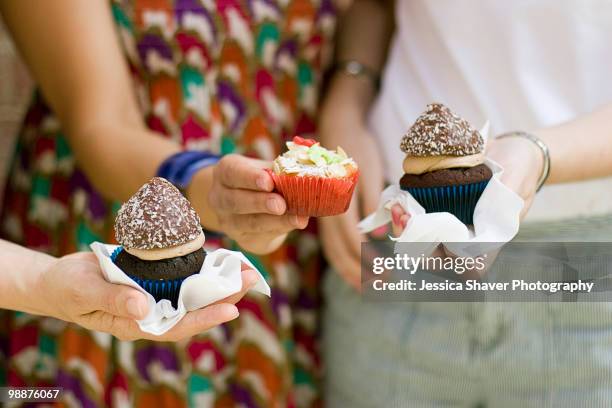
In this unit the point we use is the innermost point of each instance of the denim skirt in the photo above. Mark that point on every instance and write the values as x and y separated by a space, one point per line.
408 354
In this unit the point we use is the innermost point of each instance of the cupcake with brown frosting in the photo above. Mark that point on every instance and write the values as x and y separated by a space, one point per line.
161 239
444 165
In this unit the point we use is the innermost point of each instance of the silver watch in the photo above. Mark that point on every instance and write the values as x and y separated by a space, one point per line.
357 69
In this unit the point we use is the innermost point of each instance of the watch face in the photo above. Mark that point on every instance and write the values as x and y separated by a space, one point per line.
354 68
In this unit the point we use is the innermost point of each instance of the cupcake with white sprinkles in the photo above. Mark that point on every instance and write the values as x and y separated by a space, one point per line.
161 239
314 181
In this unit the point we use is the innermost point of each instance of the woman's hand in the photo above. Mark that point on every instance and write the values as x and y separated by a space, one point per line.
522 161
239 202
73 289
340 236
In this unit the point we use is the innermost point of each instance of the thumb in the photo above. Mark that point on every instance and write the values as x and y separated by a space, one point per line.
122 301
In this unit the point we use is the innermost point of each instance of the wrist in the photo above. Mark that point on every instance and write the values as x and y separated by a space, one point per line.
342 126
30 288
347 100
355 69
198 193
180 167
537 154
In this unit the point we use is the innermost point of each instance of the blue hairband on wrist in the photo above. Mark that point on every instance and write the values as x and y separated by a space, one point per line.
180 168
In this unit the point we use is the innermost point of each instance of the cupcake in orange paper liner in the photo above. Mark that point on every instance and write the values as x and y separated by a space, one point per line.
314 181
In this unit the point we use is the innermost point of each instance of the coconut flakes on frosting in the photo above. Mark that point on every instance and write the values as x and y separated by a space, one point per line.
157 216
440 132
305 157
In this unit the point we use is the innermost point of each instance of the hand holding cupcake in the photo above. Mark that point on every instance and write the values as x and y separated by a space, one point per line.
446 177
241 203
161 254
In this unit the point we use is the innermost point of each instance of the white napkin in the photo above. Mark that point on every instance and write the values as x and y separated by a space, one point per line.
496 217
219 278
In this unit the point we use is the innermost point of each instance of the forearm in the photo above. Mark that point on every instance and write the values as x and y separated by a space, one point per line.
580 149
20 269
118 159
126 158
92 95
347 97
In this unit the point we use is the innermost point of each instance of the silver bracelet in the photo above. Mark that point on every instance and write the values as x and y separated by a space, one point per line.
543 148
357 69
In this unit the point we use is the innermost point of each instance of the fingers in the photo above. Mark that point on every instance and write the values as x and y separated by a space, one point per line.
249 279
90 292
351 236
264 223
349 268
399 219
117 300
113 317
198 321
237 171
345 261
237 201
123 301
191 324
244 205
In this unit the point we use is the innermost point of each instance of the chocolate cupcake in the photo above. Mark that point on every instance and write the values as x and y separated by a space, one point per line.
444 165
161 239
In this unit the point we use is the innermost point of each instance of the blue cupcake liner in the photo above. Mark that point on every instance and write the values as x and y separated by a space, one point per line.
459 200
158 288
113 256
161 289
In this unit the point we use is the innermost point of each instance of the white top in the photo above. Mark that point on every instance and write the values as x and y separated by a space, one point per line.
521 64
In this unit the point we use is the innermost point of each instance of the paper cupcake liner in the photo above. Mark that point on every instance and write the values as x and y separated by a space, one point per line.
459 200
315 196
158 288
219 277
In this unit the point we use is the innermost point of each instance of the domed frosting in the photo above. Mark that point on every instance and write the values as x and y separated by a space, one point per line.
439 132
157 216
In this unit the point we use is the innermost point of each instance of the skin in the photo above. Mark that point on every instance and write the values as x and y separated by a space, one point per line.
343 122
73 289
84 77
241 203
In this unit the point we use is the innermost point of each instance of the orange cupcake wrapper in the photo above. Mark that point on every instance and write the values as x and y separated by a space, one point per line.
315 196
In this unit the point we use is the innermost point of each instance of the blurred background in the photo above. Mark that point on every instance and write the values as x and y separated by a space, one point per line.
15 90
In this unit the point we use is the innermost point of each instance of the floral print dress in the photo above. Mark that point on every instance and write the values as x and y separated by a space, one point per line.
226 76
